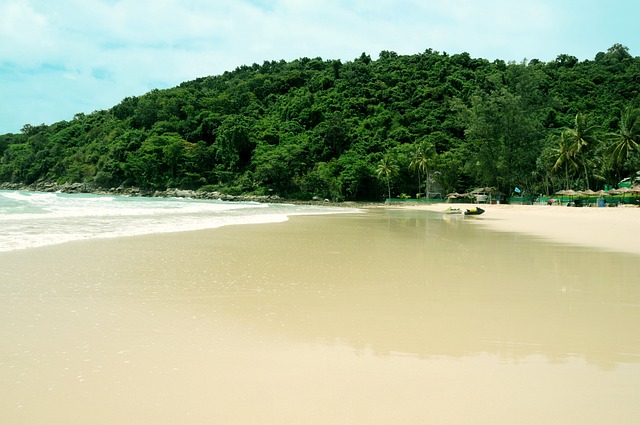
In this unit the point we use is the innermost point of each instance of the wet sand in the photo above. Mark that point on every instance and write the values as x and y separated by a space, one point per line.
615 229
381 317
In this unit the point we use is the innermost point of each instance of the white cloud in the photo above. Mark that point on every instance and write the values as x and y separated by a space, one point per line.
72 56
25 33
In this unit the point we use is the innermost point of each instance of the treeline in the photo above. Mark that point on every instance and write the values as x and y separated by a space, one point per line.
360 130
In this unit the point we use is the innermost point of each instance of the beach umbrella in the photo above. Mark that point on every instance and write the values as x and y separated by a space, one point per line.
454 195
600 194
613 192
588 193
567 192
451 196
618 192
636 191
623 191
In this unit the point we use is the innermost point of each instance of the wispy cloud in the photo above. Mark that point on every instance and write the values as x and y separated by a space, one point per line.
68 56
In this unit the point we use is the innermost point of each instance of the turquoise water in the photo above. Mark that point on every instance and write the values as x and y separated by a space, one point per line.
32 219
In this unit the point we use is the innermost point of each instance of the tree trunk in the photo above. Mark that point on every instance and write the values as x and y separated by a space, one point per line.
426 185
586 174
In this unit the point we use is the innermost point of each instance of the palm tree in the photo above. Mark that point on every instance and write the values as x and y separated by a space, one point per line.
564 156
414 165
420 162
583 138
387 168
627 138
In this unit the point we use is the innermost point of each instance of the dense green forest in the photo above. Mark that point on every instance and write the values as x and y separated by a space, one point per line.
360 130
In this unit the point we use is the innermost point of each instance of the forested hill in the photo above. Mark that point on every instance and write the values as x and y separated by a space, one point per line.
357 130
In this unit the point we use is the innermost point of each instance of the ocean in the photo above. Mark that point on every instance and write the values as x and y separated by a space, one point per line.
34 219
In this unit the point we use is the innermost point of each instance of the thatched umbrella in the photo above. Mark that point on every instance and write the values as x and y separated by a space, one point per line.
567 192
587 192
591 193
636 191
455 195
622 191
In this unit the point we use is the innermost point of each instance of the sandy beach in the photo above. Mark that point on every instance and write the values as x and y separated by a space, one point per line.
379 317
613 229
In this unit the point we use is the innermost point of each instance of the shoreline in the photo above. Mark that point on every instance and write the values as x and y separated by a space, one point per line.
88 189
610 229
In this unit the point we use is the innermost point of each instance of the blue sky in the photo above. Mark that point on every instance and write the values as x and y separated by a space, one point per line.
62 57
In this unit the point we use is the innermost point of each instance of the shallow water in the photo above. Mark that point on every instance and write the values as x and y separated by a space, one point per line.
381 317
34 219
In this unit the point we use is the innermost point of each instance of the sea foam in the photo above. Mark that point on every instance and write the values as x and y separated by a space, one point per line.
33 219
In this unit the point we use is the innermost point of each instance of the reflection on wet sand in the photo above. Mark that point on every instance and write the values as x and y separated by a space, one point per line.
432 293
388 316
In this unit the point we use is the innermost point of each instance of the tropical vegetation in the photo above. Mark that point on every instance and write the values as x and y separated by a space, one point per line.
360 130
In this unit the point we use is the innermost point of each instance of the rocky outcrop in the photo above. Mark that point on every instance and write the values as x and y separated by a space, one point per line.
202 194
135 191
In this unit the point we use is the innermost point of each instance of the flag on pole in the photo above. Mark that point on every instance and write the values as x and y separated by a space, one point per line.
517 190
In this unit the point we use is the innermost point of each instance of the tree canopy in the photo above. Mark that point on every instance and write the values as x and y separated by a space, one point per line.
314 127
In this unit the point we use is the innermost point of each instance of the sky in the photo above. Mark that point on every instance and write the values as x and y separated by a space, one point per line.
59 58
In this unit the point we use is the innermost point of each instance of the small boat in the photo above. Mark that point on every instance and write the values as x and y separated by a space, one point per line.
452 211
474 211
